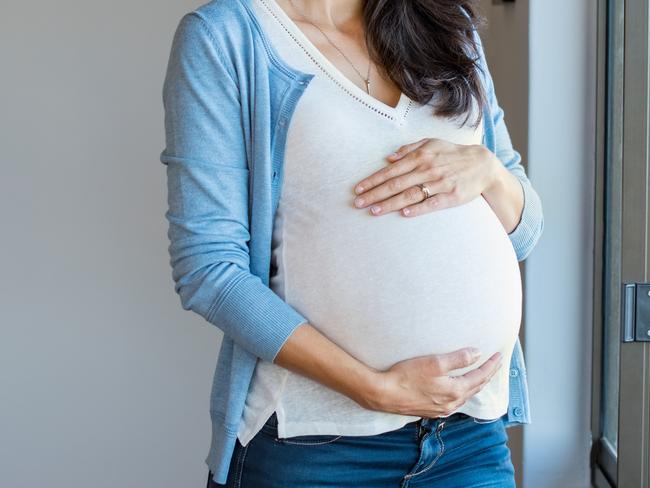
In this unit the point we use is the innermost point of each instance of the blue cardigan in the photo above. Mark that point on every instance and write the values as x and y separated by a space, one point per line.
228 99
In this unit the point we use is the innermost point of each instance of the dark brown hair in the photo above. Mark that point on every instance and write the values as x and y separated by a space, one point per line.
427 48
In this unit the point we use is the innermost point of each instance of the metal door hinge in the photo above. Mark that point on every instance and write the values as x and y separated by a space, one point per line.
635 312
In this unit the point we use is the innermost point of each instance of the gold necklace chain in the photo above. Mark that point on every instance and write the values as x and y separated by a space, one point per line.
367 78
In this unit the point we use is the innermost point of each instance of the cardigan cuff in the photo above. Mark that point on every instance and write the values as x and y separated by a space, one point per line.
255 316
530 226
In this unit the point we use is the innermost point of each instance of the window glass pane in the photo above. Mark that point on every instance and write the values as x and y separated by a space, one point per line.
612 224
611 327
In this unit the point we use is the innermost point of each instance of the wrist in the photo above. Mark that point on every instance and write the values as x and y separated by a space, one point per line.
496 172
373 392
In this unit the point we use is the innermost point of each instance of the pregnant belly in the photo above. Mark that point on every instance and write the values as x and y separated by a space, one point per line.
387 288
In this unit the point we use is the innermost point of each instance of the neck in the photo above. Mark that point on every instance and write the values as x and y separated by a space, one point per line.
330 13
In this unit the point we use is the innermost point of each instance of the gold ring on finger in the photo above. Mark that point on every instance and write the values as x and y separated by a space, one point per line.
425 190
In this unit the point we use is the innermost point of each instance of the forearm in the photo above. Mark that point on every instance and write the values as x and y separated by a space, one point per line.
505 195
312 354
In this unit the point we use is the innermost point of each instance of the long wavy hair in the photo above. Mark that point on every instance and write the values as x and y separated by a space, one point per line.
427 48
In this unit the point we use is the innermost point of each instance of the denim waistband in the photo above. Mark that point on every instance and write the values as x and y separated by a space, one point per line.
424 421
431 421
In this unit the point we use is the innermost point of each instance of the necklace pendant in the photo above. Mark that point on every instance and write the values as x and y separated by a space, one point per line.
368 86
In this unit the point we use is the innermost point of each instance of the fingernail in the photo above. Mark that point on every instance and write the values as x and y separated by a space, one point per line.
406 211
358 189
375 209
393 155
359 202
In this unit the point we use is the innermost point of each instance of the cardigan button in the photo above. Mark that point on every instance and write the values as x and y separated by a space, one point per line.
514 372
517 411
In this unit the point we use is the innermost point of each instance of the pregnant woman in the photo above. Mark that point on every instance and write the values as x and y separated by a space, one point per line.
345 204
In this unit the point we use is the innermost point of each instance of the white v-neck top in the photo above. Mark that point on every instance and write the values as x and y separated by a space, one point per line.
384 288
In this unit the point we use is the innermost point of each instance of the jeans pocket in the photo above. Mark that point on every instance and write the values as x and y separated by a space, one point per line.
270 428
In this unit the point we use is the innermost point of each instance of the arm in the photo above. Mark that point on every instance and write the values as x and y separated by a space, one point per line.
207 180
512 196
310 353
417 386
207 176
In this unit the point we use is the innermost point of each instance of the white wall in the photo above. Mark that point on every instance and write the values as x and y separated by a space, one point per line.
559 272
104 379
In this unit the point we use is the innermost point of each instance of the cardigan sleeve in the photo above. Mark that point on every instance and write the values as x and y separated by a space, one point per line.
207 182
525 235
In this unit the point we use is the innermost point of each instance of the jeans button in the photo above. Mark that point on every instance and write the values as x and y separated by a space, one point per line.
514 372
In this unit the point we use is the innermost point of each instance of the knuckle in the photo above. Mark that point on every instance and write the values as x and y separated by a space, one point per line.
436 402
413 193
456 392
419 153
433 202
437 154
435 172
390 171
449 183
394 184
435 363
467 358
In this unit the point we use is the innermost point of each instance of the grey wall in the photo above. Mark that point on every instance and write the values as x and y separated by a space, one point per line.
104 379
559 273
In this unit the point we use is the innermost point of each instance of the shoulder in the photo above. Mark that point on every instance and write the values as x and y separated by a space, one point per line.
219 31
226 16
227 25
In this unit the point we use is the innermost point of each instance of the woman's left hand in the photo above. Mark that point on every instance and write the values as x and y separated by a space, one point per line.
453 173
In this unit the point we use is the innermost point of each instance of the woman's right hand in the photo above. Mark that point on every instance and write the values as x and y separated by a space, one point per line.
421 386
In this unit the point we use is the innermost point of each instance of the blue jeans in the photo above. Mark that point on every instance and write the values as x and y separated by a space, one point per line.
457 451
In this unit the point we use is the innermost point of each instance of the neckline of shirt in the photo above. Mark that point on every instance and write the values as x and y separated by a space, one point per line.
397 113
